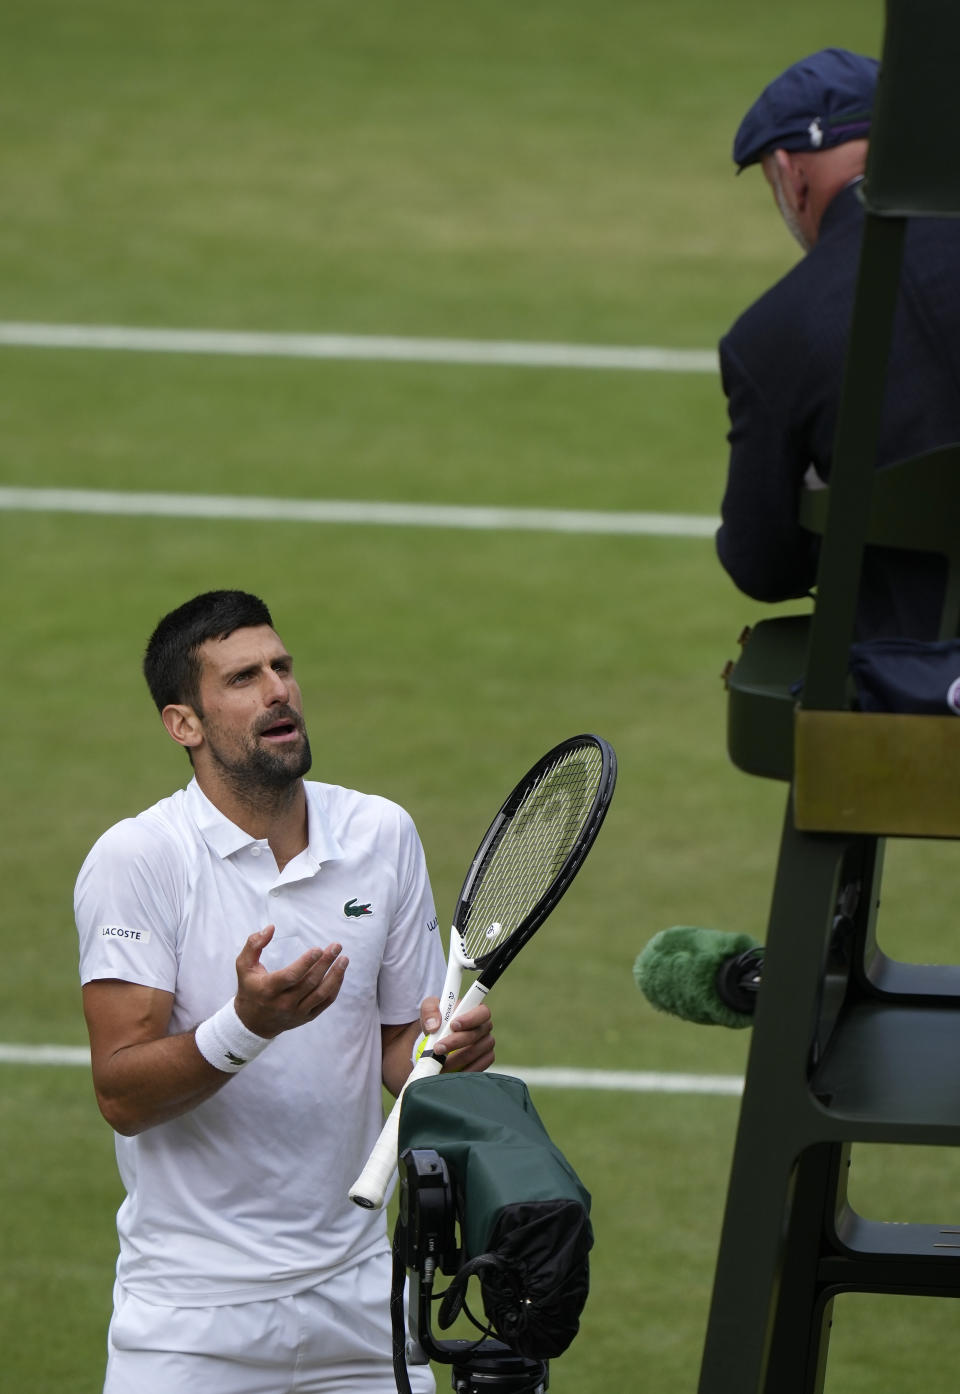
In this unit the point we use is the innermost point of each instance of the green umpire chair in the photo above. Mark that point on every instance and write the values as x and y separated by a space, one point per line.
850 1047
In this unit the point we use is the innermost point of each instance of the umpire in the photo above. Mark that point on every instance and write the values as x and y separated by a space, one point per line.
782 362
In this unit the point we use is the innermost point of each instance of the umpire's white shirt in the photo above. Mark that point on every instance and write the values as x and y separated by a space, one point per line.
245 1196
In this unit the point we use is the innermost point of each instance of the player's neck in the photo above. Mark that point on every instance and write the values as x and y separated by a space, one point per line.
276 816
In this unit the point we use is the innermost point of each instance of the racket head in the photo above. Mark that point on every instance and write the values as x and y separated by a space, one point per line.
533 849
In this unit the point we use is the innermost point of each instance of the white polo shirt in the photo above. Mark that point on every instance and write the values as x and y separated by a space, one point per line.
245 1196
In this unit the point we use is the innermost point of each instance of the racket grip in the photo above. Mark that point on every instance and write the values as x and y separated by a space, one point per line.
370 1187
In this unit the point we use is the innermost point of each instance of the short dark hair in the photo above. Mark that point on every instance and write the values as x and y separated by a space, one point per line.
171 664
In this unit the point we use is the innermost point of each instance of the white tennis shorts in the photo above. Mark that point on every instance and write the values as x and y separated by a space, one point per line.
332 1339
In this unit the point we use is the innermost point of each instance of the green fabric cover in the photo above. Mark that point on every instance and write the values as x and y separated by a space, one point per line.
496 1148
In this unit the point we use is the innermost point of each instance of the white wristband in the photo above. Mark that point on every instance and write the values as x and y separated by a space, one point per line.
226 1043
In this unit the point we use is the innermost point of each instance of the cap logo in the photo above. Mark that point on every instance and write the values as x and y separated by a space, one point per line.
815 132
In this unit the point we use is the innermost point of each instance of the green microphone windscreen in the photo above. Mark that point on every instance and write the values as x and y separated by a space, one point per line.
677 973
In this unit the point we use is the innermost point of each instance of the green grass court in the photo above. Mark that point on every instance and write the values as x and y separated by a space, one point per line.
545 172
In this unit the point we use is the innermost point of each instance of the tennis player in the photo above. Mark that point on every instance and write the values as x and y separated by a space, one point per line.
257 954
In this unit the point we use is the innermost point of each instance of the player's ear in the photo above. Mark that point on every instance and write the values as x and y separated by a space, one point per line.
183 724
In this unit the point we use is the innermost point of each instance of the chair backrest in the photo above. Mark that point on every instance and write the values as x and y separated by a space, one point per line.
911 170
914 505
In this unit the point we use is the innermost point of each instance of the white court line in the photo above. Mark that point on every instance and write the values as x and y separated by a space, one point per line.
420 515
627 1081
44 1055
364 347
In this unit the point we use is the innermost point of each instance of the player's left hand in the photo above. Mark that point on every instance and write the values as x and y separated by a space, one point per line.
470 1045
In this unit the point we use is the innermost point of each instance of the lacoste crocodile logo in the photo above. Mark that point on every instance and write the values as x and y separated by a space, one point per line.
353 911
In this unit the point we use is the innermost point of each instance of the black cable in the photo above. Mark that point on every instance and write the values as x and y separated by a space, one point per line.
398 1324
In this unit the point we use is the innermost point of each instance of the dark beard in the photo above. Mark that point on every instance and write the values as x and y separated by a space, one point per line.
265 775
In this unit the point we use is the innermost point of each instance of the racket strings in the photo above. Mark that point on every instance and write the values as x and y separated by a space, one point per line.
526 861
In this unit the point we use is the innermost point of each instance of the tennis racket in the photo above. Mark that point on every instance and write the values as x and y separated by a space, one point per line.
531 852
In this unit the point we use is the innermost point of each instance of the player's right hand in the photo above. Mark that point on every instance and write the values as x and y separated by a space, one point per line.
269 1003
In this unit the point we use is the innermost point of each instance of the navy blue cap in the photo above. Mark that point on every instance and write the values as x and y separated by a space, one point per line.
820 101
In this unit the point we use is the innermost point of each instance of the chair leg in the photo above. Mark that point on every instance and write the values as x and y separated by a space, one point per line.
801 1330
735 1349
777 1121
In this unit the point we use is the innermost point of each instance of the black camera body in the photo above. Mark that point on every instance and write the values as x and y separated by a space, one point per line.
427 1211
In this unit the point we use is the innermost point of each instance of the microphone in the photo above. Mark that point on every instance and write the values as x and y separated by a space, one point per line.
701 975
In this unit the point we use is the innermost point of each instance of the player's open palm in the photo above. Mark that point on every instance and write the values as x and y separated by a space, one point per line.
268 1003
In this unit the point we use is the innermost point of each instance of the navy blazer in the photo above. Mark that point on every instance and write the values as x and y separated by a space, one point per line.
782 370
